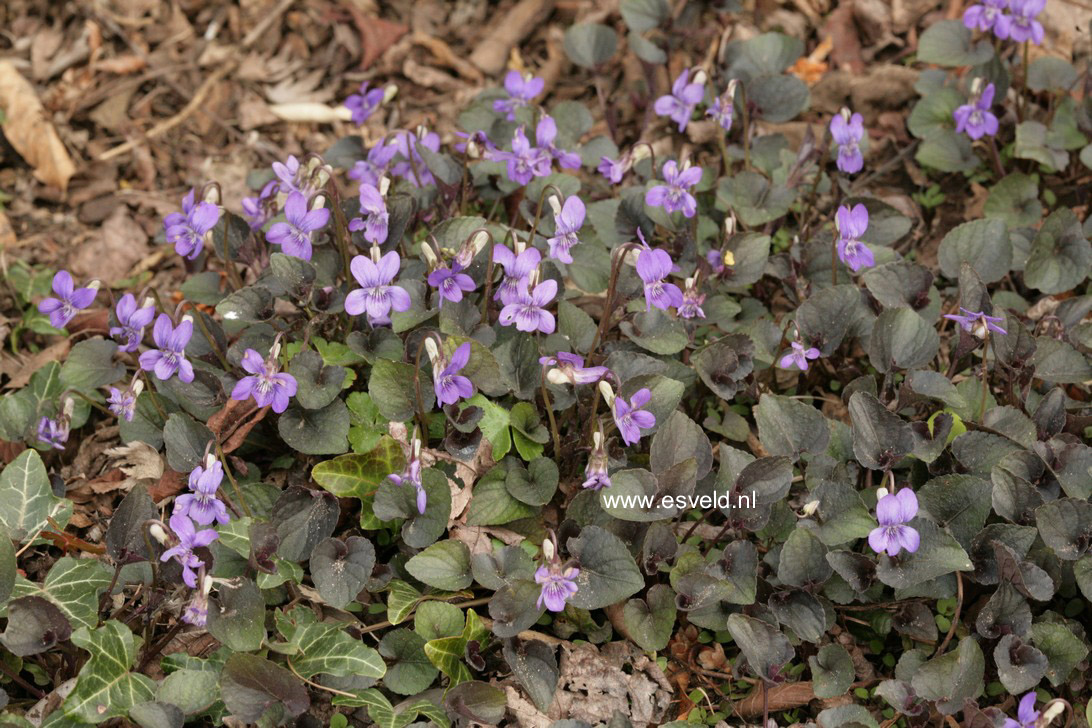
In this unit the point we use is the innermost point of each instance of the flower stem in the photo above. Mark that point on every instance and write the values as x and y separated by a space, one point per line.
985 377
549 412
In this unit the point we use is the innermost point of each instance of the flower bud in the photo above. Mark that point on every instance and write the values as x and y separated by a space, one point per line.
375 253
555 204
275 350
432 350
731 92
548 549
557 376
881 492
158 533
317 202
811 507
639 152
68 407
730 226
188 317
389 92
149 301
846 114
607 392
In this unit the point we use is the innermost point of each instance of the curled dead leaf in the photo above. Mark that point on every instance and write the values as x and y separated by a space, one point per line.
28 129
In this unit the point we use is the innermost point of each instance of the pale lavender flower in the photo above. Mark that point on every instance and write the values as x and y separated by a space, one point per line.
522 88
631 417
596 472
294 177
1026 713
545 135
131 322
715 258
568 219
722 111
569 369
675 195
451 283
196 612
680 103
294 236
369 170
1022 25
362 105
848 131
528 311
975 118
557 586
263 208
54 432
798 357
265 383
374 215
977 323
692 299
69 301
411 475
985 15
893 513
654 266
450 385
186 230
376 295
517 271
122 402
411 167
524 162
189 540
201 504
169 356
852 224
615 169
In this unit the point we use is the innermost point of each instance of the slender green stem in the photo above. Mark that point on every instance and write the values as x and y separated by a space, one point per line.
229 266
549 412
231 479
89 401
746 128
153 394
608 304
211 339
985 377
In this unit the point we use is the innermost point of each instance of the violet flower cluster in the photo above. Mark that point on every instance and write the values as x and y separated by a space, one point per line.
1015 20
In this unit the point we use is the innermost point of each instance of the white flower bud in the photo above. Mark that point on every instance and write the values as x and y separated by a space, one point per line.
275 350
548 549
389 92
976 86
432 350
158 533
730 225
607 392
384 185
811 507
375 253
473 150
422 130
206 585
732 85
639 152
700 77
416 446
597 439
881 492
846 114
212 194
555 204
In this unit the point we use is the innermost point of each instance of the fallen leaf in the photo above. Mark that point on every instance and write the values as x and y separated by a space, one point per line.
376 36
234 422
20 369
28 129
781 697
122 65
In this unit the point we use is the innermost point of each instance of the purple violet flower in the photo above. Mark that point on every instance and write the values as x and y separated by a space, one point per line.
517 271
525 162
715 258
528 311
977 323
293 176
131 322
985 15
851 225
848 131
189 540
680 103
798 357
522 88
374 216
412 167
545 134
723 108
201 504
631 417
568 219
1026 713
654 266
186 230
692 299
411 475
675 195
450 386
266 384
54 432
569 369
263 208
376 295
365 103
369 170
614 169
169 356
975 118
596 472
1021 26
557 586
69 301
122 402
196 612
294 236
451 283
893 513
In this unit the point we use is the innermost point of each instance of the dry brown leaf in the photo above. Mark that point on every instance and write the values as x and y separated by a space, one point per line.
785 696
122 65
28 129
138 460
7 232
20 369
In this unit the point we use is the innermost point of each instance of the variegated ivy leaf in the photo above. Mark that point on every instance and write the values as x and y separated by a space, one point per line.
26 498
105 687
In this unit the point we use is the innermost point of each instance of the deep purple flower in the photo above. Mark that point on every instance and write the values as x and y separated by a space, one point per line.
614 169
596 472
411 475
557 586
201 504
1027 714
189 539
631 418
131 322
169 356
545 134
692 299
294 236
186 230
69 301
263 208
122 402
521 88
376 295
451 386
977 323
54 432
798 357
680 103
654 266
365 103
568 219
893 513
369 170
1021 26
848 131
525 162
675 195
984 16
715 258
266 384
528 311
517 271
374 215
852 224
451 283
975 118
569 369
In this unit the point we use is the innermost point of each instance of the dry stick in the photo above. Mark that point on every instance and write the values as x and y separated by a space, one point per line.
955 617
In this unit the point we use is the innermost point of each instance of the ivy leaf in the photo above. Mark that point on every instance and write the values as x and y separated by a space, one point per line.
105 688
328 649
26 498
74 585
359 475
447 653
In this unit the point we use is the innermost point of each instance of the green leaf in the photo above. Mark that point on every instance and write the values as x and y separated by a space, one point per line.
831 671
755 200
316 432
105 688
590 44
789 427
1064 649
902 340
26 498
803 560
939 554
1015 200
766 649
952 678
1032 142
8 566
642 15
34 625
237 616
446 653
400 501
74 585
608 573
187 441
253 687
983 244
90 365
492 505
534 485
393 387
194 691
317 384
444 565
650 622
341 569
330 650
948 43
409 671
1061 255
358 475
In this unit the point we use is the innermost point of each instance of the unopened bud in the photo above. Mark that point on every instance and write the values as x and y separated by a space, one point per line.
597 439
881 493
275 350
68 407
188 317
422 130
149 301
375 253
846 114
212 194
557 376
555 204
158 533
548 549
416 446
976 86
639 152
389 92
206 585
318 202
811 507
732 85
607 392
730 225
